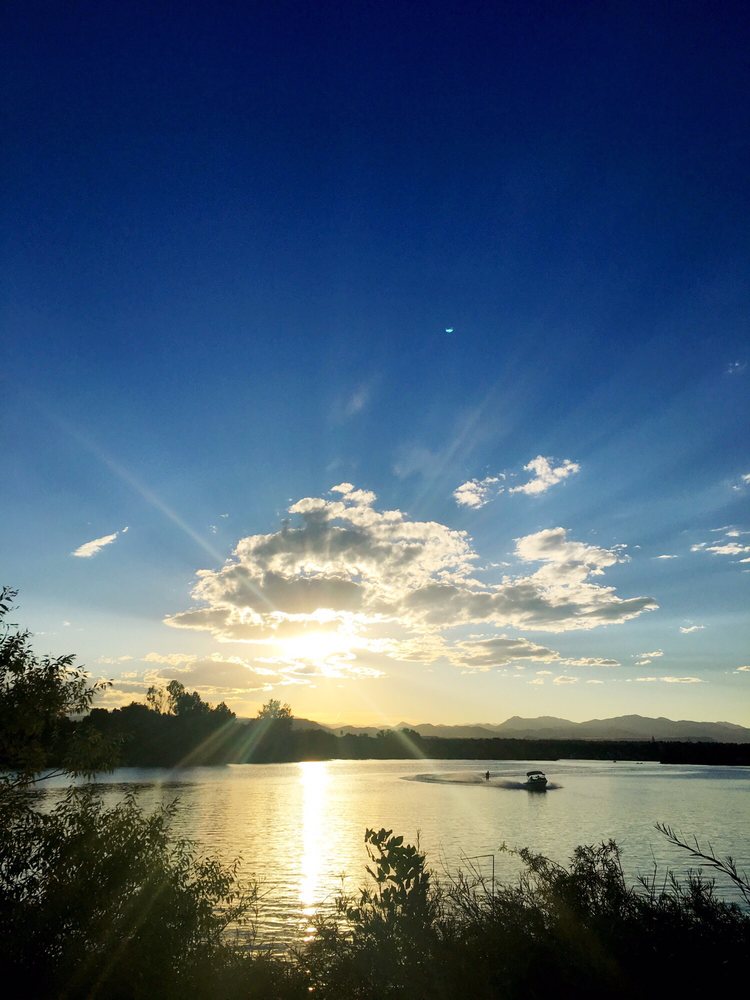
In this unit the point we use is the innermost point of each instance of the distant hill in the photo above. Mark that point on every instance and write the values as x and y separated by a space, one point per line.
298 724
623 727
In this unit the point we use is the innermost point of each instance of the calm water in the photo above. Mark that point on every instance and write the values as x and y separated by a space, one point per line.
299 828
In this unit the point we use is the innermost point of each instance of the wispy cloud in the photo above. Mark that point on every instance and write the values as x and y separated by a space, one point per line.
545 475
352 403
669 680
641 659
687 629
743 670
591 661
214 672
357 401
728 546
215 677
727 549
736 367
89 549
666 557
415 459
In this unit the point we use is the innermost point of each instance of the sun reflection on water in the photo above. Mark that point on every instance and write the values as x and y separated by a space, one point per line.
314 779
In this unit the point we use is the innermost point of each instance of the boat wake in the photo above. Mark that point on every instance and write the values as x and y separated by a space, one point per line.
470 778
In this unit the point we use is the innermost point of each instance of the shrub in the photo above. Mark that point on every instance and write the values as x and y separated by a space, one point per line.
578 931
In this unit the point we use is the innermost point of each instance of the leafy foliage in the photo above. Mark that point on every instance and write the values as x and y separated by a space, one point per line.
725 866
384 942
578 931
95 895
38 695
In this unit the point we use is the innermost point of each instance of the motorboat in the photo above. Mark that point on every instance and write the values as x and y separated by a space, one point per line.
536 781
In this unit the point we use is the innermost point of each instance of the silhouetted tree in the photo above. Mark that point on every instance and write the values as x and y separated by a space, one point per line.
273 709
157 700
38 696
272 732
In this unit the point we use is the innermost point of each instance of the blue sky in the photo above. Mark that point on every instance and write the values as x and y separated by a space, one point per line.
235 241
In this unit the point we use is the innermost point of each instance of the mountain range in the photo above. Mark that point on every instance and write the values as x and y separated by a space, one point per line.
622 727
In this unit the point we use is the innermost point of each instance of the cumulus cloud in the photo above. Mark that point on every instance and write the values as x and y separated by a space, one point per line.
687 629
564 679
565 556
342 588
545 475
475 493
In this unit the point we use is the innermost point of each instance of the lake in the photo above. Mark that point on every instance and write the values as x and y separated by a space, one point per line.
299 828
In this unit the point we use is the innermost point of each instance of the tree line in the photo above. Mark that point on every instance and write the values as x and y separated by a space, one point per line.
177 727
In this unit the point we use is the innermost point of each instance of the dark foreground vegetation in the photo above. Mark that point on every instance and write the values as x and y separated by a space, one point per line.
104 902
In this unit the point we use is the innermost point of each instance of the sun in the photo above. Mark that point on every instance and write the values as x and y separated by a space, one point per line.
320 648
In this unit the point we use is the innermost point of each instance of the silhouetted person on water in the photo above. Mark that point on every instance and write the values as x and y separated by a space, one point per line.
487 776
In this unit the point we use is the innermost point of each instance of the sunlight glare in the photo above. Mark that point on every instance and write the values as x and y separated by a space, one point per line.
317 648
314 778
